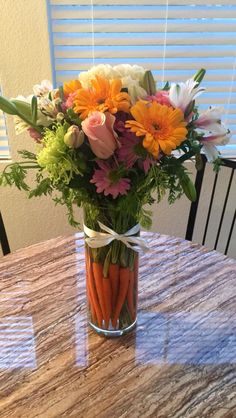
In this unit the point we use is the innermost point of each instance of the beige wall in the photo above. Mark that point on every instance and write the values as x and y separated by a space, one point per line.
24 61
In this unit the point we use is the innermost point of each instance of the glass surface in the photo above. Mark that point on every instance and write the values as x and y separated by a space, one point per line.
184 341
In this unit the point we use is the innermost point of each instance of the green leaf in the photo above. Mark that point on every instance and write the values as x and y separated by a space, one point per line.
166 86
7 106
34 109
149 83
145 219
15 174
73 117
188 188
23 109
27 154
61 93
43 188
199 75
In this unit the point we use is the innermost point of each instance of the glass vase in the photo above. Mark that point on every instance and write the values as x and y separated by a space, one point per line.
111 277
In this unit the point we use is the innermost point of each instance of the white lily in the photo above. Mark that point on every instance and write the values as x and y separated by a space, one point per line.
211 141
210 120
42 89
48 107
182 94
20 125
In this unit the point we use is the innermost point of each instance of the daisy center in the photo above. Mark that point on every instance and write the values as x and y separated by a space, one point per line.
156 126
100 101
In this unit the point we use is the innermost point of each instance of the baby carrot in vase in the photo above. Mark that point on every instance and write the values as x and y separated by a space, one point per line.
107 300
123 289
93 298
88 290
130 294
98 278
135 292
114 278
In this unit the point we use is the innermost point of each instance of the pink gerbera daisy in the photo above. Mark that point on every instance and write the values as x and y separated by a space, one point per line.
108 181
130 150
126 153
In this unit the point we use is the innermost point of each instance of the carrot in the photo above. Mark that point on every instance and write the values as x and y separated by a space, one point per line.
91 303
123 288
87 280
114 277
136 266
98 278
93 295
130 294
107 299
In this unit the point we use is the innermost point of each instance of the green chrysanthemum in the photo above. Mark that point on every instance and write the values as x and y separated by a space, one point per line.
56 157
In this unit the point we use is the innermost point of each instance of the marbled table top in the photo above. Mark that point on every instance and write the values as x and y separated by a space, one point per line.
179 362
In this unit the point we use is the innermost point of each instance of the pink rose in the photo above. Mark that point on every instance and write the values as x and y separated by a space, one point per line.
98 127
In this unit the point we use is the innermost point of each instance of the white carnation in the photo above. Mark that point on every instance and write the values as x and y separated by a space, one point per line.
122 71
101 70
126 70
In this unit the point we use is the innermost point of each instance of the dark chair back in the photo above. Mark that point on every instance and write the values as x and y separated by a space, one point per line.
231 166
3 238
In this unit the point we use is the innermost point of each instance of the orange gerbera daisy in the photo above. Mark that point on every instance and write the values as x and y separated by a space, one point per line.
70 87
163 127
103 96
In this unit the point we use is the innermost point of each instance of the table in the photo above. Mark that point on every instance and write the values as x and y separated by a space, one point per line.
179 362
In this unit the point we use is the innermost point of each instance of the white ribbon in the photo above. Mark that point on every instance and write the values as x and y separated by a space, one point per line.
96 239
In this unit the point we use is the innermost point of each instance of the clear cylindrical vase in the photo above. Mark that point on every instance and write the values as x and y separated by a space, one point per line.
111 281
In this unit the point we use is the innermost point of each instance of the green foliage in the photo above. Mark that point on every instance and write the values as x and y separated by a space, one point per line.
200 75
27 155
34 109
73 117
44 187
14 174
7 106
145 218
148 83
59 160
67 198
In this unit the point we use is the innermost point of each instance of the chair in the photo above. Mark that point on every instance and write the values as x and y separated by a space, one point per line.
230 165
3 238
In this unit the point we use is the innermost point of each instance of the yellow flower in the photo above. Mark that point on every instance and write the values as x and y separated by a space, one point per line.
70 87
163 127
104 96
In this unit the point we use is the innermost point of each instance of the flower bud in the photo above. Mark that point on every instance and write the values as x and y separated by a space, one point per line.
74 137
188 188
60 116
148 83
55 94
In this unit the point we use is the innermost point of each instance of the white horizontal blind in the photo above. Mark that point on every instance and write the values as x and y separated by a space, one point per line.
174 40
4 145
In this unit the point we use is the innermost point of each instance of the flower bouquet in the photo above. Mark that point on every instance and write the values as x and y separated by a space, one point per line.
112 143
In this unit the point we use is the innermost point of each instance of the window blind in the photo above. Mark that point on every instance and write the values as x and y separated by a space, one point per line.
4 145
173 38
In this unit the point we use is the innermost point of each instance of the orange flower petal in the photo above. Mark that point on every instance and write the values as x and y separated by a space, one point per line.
161 126
103 96
70 87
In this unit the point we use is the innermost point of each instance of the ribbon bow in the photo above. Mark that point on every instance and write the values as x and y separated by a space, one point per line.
96 239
